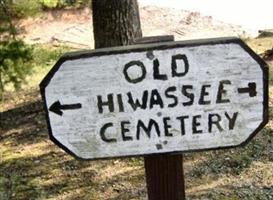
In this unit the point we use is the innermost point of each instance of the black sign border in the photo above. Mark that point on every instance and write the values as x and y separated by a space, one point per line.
157 46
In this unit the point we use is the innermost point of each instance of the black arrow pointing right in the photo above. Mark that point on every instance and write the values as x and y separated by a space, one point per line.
251 89
57 108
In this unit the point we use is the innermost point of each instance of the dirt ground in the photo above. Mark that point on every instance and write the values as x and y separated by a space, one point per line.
74 28
32 167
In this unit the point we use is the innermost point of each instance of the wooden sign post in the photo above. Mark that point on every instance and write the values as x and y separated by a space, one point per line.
164 172
147 99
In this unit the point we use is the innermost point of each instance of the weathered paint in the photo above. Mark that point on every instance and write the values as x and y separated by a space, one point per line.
225 67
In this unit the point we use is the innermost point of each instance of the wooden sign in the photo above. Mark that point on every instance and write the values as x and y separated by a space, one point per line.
156 98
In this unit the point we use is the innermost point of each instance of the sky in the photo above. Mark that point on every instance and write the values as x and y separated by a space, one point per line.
251 14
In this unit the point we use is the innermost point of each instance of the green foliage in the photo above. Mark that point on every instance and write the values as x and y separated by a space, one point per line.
49 3
44 55
15 57
64 4
6 27
24 8
20 8
14 54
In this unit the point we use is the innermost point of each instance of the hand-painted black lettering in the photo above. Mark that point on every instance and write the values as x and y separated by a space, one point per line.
231 120
175 65
167 126
102 133
120 103
136 103
222 91
156 99
109 103
141 76
195 124
182 123
168 94
157 75
125 130
204 93
147 130
214 119
185 92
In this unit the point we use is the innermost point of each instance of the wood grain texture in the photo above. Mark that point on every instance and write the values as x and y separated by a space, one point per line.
115 22
164 177
82 80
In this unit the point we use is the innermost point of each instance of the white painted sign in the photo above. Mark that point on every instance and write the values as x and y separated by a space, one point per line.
156 98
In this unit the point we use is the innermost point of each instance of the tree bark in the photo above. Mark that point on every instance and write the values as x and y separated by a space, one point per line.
115 22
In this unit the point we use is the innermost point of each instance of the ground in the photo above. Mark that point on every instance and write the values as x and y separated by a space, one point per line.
32 167
74 28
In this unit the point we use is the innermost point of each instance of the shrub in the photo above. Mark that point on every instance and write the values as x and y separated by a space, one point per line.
14 63
64 4
24 8
14 54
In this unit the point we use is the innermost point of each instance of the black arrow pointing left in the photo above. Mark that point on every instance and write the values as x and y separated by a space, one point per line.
57 107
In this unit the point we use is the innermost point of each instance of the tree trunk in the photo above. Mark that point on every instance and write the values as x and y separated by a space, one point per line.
115 22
